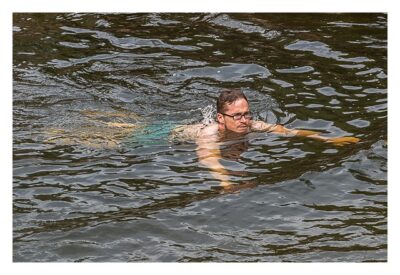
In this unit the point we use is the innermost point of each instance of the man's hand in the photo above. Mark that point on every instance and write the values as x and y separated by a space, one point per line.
340 141
234 188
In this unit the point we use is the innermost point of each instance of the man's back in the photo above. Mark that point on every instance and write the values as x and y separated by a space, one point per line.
194 132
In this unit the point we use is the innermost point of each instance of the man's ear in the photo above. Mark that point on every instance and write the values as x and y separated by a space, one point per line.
220 118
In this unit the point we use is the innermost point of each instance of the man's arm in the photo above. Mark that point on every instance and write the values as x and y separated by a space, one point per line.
209 155
261 126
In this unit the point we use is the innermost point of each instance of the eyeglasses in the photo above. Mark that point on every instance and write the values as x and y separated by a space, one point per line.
239 116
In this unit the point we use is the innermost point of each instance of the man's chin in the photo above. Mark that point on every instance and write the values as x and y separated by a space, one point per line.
242 130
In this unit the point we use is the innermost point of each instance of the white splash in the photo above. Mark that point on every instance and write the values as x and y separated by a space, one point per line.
209 112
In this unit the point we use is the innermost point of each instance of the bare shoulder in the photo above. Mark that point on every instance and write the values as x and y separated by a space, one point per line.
209 130
260 126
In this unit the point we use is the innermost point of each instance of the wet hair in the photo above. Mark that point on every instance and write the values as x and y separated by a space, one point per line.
228 96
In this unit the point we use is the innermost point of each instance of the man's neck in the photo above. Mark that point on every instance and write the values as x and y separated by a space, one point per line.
226 134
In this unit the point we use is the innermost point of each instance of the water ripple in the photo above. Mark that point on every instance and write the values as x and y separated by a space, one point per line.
232 72
323 50
128 42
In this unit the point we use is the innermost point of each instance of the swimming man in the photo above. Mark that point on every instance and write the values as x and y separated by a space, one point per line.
234 120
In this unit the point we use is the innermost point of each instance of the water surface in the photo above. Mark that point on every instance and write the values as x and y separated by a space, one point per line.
307 201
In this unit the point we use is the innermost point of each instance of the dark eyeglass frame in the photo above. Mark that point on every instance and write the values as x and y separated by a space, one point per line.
239 116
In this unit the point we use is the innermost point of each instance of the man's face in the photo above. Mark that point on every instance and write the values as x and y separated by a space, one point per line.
240 107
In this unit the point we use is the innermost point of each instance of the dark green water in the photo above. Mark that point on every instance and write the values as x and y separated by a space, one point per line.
308 201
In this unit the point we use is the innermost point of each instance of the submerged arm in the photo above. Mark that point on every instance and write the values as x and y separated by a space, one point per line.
209 155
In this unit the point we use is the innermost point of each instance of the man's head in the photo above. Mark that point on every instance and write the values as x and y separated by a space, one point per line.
233 113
